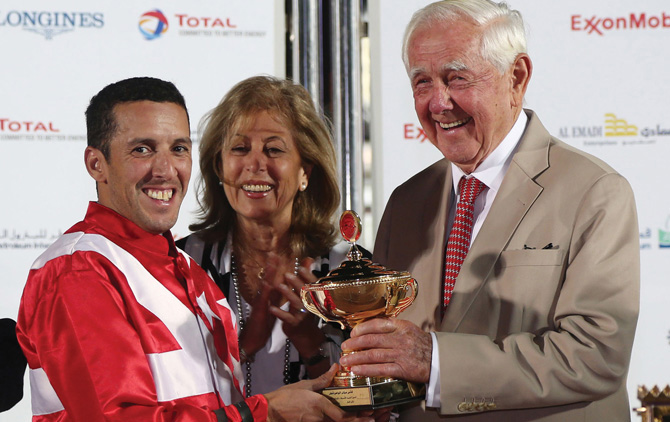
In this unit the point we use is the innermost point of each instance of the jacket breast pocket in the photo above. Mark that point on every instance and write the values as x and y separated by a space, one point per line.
531 257
525 285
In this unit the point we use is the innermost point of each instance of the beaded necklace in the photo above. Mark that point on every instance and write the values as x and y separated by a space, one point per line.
242 320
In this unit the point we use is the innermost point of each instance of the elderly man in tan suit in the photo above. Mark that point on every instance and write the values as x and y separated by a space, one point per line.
540 323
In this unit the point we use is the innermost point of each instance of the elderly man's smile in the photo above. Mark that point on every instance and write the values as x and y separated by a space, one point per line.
455 124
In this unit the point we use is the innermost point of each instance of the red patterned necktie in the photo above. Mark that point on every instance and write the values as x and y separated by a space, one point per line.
461 232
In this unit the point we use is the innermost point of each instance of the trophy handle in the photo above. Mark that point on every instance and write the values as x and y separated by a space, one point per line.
309 304
409 297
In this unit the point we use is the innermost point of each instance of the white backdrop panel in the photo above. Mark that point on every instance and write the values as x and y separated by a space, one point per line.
599 70
56 55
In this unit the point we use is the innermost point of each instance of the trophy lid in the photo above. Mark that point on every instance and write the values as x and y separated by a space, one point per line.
361 269
356 267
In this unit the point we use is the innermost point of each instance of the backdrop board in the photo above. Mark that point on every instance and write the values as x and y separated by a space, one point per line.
56 55
600 83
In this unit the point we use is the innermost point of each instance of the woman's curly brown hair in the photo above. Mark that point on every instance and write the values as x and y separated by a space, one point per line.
312 232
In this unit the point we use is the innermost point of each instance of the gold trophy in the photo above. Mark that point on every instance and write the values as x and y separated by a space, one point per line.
655 404
356 291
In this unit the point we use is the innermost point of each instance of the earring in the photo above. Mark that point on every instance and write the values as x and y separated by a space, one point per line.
303 186
220 183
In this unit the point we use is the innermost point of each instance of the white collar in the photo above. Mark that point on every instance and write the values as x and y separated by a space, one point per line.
492 170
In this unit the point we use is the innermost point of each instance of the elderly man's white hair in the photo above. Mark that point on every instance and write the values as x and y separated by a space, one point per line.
503 36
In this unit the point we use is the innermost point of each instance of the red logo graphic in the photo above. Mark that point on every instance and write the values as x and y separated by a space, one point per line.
412 131
7 125
203 22
599 25
153 24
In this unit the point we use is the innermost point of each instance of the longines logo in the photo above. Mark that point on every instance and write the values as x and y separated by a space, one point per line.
596 25
50 23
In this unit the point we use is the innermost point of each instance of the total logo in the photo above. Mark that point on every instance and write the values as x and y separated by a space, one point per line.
153 24
26 126
597 25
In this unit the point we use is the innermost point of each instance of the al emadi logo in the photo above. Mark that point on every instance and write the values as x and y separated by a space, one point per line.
614 127
618 127
153 24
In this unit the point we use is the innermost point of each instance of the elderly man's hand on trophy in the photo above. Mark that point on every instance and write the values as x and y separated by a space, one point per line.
389 347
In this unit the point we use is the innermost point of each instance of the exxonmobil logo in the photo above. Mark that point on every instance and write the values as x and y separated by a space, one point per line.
414 132
599 25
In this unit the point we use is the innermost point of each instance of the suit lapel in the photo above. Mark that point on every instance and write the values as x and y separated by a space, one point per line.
517 194
429 237
437 249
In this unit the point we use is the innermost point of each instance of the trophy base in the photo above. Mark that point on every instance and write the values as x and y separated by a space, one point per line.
375 395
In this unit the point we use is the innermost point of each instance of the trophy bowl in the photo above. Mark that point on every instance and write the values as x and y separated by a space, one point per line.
356 291
359 290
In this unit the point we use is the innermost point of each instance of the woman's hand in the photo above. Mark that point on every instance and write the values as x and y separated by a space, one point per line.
299 325
259 324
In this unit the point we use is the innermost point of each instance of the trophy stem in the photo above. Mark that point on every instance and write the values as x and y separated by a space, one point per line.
346 378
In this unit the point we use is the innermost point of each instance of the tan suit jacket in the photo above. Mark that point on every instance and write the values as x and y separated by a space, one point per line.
531 334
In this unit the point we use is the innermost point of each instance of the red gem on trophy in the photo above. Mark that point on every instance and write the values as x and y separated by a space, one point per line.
350 226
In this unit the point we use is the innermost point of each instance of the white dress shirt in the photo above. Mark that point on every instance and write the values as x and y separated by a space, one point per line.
491 171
